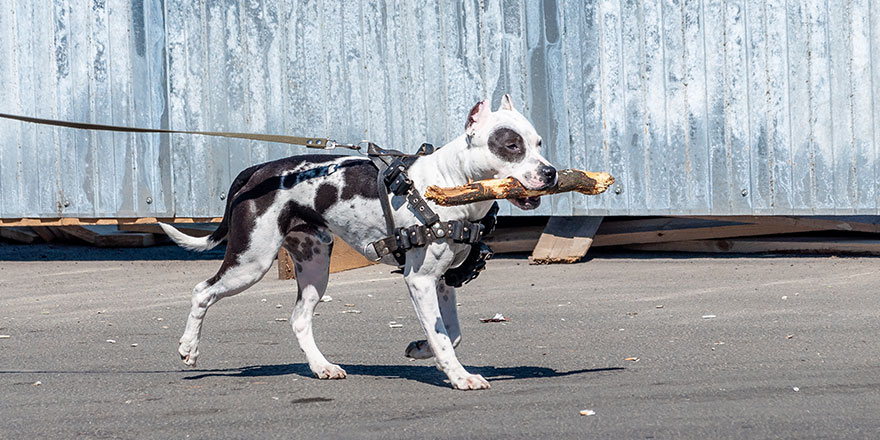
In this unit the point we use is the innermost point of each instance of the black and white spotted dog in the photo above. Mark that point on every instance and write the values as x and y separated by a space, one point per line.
299 201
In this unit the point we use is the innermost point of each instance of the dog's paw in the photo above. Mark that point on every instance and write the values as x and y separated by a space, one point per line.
469 382
188 351
419 350
329 371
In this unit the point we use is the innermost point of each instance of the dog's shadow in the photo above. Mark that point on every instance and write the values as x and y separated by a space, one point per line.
427 374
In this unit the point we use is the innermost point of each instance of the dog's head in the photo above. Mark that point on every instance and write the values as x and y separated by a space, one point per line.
510 147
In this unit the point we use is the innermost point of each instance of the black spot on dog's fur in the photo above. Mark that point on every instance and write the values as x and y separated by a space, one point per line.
326 196
293 214
360 181
507 144
298 267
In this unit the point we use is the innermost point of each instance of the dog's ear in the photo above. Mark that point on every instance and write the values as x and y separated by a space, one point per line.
506 103
477 115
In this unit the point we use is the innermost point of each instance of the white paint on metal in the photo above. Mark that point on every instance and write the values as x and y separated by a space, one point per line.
695 106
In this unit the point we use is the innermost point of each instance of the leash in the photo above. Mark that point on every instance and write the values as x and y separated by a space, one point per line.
309 142
319 143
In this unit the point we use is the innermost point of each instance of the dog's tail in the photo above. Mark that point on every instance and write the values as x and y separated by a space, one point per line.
204 243
192 243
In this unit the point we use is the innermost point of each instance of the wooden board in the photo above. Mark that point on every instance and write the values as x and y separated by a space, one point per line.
110 236
824 245
664 230
514 240
565 240
19 234
859 223
192 229
66 221
343 257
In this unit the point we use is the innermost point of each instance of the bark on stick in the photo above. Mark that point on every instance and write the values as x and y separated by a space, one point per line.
584 182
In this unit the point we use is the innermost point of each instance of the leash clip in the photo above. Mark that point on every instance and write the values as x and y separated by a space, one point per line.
332 144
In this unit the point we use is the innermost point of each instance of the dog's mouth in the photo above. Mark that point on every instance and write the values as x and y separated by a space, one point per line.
527 203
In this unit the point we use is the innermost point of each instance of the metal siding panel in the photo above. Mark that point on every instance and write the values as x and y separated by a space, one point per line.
677 140
141 110
799 110
874 91
864 158
101 100
760 151
272 31
10 181
586 132
555 139
181 103
654 92
30 173
119 77
737 105
843 167
538 74
778 122
717 96
636 188
821 128
719 154
46 147
352 58
224 100
376 82
616 160
162 173
258 29
64 105
513 70
697 155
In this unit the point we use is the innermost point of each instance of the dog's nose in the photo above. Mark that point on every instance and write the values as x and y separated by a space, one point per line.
549 173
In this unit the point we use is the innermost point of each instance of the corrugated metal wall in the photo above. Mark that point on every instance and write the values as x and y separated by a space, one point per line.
696 107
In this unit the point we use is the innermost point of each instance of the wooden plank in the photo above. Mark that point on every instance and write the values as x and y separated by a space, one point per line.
110 236
195 230
618 233
514 240
565 239
71 221
19 234
285 265
45 233
343 257
825 245
865 223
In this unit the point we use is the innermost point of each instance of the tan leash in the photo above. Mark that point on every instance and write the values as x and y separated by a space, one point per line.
310 142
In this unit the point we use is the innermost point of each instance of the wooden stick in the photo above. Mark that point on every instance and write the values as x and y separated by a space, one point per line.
584 182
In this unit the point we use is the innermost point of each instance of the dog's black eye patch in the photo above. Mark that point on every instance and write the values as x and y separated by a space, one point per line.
507 144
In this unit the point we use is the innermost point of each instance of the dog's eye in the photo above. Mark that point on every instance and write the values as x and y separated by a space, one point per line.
512 147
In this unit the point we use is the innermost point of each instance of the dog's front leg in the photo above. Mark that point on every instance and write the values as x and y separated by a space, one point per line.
449 313
423 271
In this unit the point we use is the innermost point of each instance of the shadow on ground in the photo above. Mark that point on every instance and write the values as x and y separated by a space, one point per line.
427 374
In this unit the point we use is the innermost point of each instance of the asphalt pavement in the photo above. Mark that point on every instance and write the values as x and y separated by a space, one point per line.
652 345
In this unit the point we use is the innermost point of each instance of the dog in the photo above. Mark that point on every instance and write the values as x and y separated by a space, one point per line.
301 201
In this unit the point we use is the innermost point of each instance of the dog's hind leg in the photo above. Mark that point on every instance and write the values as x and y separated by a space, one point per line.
245 263
449 311
310 247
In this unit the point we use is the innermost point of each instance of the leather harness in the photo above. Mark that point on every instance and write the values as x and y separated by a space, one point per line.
392 179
